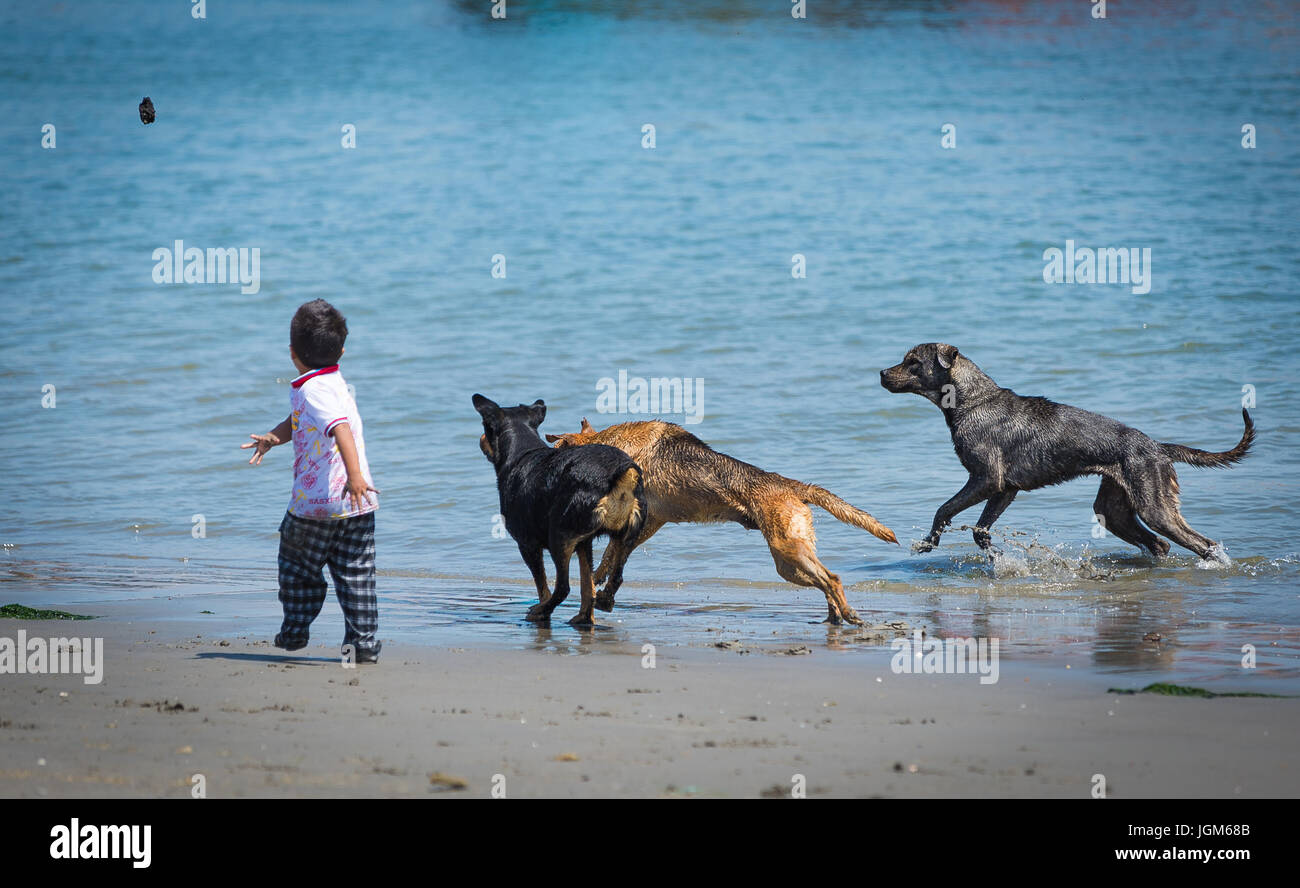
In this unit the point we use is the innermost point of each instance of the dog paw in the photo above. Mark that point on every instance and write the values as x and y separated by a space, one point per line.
605 603
1216 557
922 546
538 613
581 622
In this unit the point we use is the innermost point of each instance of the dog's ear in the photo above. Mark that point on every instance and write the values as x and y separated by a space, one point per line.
553 438
947 354
536 413
586 427
485 406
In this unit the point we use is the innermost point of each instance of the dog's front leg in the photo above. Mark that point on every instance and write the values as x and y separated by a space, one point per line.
974 492
617 553
994 508
607 560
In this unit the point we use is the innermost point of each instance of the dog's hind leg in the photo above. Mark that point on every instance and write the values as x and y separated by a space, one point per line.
585 586
561 554
797 562
1155 497
993 509
1113 505
788 528
1172 525
533 558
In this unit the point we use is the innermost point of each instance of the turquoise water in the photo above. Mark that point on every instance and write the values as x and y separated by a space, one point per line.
772 137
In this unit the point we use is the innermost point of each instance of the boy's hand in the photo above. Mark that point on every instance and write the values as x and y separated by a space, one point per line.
357 488
261 444
357 491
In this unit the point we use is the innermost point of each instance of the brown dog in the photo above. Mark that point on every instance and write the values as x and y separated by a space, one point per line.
688 481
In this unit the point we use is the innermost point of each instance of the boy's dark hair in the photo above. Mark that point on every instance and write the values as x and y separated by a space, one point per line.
317 333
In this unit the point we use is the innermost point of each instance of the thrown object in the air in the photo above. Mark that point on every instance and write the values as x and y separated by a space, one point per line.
146 110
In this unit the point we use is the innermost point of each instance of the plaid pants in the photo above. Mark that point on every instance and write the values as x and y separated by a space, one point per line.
347 545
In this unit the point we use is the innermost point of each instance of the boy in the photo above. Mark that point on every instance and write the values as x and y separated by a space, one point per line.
331 517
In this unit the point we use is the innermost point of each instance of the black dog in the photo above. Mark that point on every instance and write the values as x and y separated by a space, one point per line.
1011 443
559 500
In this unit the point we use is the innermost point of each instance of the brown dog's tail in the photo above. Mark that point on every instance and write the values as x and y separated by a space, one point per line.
620 511
1192 456
820 496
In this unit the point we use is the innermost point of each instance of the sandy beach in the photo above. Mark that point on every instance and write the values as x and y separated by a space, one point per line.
547 722
878 263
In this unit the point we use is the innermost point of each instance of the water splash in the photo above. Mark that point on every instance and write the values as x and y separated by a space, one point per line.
1217 560
1022 555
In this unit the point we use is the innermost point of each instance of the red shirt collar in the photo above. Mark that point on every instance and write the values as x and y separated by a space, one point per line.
311 374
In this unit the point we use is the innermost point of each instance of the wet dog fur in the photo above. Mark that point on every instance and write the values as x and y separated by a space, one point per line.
688 481
558 501
1011 443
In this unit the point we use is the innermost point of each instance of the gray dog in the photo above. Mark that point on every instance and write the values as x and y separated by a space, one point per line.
1011 443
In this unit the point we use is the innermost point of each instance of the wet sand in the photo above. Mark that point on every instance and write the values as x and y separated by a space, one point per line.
257 722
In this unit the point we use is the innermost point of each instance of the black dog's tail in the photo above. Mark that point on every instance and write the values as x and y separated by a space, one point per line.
1192 456
620 512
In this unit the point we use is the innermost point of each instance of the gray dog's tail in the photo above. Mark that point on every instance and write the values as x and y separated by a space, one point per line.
1192 456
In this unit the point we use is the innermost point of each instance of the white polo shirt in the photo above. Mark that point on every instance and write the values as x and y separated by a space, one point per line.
320 400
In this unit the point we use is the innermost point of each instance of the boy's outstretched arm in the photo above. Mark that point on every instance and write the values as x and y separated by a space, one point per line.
357 486
263 443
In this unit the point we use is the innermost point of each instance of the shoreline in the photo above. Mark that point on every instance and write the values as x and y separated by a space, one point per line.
177 700
1054 636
